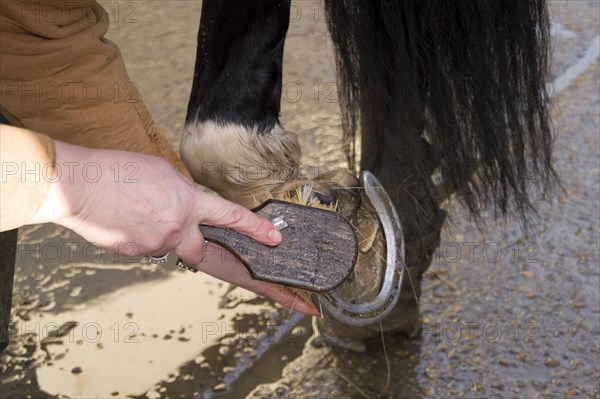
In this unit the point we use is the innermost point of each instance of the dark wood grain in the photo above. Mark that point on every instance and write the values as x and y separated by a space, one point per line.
317 253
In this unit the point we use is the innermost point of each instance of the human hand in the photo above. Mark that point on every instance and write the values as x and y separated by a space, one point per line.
150 209
139 205
223 265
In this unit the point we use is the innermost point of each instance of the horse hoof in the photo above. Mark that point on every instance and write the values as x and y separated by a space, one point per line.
333 335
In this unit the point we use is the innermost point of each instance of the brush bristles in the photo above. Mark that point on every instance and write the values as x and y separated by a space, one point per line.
302 196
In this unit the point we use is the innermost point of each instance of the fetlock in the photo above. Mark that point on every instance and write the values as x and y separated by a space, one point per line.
240 164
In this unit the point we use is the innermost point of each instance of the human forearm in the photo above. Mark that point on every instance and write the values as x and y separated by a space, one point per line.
26 158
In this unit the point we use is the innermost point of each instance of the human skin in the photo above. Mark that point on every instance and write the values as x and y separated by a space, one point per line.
152 210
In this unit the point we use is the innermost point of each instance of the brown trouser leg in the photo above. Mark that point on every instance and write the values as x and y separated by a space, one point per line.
60 76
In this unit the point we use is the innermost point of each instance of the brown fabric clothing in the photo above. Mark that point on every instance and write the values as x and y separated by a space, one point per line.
60 76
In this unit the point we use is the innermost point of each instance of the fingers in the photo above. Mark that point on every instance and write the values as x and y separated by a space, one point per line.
224 213
285 298
223 265
191 248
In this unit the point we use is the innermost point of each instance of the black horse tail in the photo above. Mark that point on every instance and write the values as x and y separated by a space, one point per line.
453 87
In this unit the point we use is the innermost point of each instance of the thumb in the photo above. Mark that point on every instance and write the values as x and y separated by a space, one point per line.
223 213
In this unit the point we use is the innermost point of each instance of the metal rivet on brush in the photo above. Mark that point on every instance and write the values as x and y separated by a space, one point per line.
279 223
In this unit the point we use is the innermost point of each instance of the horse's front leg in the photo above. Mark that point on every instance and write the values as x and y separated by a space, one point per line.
235 144
233 141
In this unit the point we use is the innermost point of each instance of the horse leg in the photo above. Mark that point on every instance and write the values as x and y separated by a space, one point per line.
234 142
416 199
233 126
446 87
418 205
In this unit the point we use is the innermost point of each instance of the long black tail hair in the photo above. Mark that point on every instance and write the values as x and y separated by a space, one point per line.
469 77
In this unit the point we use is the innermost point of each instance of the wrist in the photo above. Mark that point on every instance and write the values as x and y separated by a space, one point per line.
65 192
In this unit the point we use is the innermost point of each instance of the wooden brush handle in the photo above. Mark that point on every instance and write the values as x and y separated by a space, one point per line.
318 250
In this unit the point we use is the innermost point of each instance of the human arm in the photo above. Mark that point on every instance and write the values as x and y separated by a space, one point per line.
155 209
111 196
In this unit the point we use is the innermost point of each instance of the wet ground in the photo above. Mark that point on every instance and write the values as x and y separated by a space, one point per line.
504 314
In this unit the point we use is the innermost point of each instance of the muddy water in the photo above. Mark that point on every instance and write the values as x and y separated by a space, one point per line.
504 314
